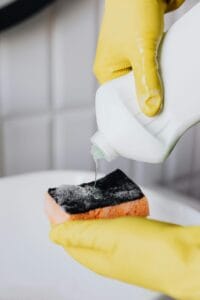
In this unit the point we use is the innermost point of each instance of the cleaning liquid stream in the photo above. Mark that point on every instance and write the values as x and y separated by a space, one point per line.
96 154
96 172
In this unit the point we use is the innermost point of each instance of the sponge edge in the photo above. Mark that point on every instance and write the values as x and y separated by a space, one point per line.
139 208
57 215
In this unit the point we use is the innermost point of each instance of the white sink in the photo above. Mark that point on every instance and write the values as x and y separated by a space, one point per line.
32 268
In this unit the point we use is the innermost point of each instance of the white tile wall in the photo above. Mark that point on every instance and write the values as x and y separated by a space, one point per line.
1 148
47 99
24 56
121 163
180 161
73 48
196 151
71 143
194 188
26 145
148 173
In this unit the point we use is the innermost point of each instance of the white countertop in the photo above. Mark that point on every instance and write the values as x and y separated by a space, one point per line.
31 267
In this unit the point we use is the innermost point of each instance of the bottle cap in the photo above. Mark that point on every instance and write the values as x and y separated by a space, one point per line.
101 148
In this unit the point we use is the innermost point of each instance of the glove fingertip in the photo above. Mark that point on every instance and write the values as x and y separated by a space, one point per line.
149 90
152 105
174 4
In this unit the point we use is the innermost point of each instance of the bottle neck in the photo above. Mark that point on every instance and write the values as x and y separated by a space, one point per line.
101 149
97 153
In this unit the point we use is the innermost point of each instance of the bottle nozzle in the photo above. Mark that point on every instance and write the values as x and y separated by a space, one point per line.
101 148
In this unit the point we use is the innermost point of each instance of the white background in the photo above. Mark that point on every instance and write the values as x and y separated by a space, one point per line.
47 94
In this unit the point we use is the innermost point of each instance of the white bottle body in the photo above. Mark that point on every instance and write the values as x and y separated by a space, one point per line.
124 130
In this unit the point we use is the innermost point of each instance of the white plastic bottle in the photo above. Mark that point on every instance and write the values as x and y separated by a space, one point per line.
124 130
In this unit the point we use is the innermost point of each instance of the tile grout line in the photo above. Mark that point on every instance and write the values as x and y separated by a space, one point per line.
95 84
51 87
2 154
50 110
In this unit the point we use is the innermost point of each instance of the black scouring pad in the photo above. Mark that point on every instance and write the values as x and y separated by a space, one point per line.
113 189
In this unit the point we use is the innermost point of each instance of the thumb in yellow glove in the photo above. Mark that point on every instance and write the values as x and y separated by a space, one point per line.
129 39
158 256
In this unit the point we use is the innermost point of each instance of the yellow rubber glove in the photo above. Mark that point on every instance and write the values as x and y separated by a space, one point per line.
158 256
173 4
129 39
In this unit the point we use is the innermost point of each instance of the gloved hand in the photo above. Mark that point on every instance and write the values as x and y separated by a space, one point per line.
158 256
129 39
